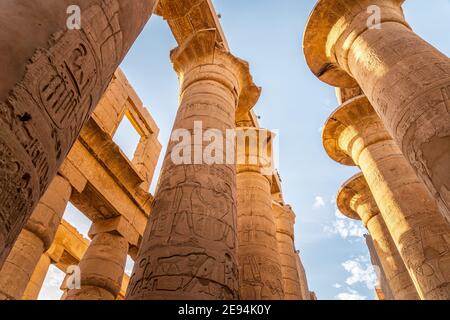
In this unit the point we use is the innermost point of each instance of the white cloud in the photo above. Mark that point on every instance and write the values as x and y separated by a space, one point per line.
319 202
350 294
50 288
345 227
337 286
361 272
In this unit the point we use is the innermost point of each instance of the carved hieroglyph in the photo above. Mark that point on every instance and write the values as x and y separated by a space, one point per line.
189 247
49 87
34 240
405 78
355 200
354 134
260 276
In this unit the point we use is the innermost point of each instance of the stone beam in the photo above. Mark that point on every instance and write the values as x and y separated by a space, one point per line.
49 85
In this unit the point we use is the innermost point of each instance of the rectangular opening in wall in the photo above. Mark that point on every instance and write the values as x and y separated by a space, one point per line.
127 137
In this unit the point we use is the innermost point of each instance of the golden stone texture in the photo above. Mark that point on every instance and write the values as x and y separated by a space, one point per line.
354 134
106 186
260 271
355 200
405 78
193 223
49 87
34 240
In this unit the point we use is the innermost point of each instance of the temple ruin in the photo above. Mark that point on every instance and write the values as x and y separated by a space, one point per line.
219 230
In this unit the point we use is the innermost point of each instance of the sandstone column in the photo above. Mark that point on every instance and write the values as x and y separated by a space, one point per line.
405 78
34 240
354 134
102 267
37 278
285 220
51 80
189 247
259 260
383 291
355 200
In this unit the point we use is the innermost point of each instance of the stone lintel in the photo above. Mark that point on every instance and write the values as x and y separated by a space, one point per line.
335 23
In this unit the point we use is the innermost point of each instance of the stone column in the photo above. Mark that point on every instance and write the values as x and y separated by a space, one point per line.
383 289
355 200
405 78
102 267
259 259
189 246
34 240
305 293
285 219
354 134
37 278
50 83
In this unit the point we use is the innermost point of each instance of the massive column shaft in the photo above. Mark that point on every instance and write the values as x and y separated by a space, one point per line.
354 134
405 78
101 268
51 80
355 200
34 240
189 246
259 260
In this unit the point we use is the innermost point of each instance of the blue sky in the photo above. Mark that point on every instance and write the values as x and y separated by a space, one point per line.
268 35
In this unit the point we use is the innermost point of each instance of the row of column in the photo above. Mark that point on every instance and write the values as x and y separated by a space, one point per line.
101 268
406 80
37 126
396 130
212 233
411 236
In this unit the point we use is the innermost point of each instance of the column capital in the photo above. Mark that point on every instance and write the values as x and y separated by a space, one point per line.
200 55
331 30
251 157
350 129
355 200
118 225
